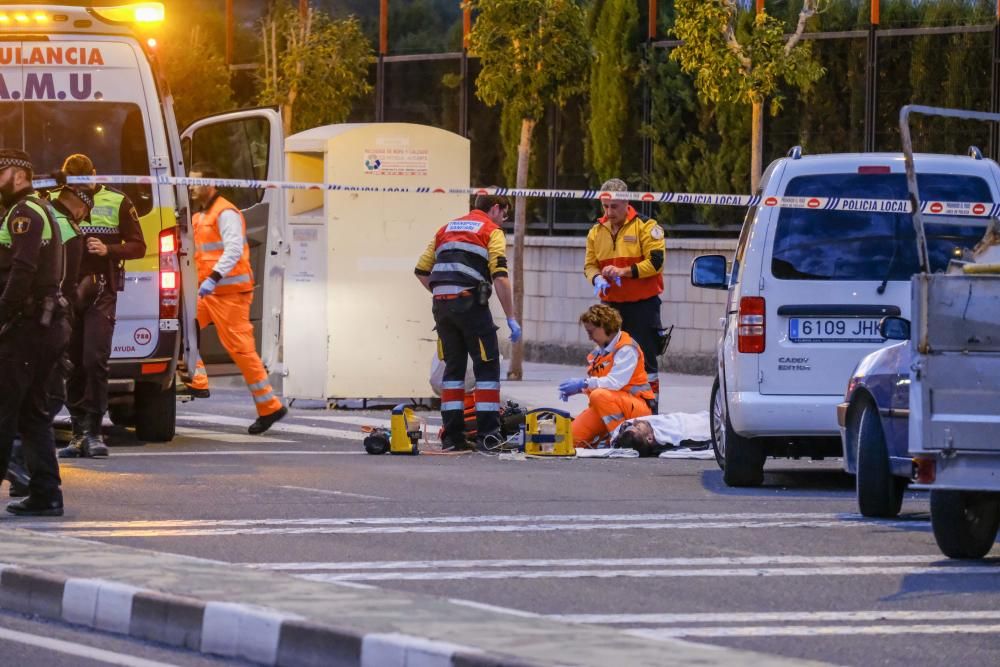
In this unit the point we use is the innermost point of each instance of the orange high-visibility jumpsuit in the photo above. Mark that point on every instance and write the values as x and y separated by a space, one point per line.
228 306
612 399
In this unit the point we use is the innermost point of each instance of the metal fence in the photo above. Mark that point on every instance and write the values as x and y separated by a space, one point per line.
858 112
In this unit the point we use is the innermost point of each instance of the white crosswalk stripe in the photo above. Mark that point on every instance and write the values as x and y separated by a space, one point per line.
466 524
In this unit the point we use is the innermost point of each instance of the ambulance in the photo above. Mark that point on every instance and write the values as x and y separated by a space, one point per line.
83 77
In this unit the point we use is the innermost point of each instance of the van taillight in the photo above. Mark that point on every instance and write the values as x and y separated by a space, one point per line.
169 274
750 325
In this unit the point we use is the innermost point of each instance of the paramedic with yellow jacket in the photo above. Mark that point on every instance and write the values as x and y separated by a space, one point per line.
225 292
624 263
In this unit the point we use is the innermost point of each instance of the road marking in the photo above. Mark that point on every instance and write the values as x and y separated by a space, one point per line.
778 617
592 562
813 630
78 650
222 436
357 420
333 493
226 452
853 571
452 524
278 428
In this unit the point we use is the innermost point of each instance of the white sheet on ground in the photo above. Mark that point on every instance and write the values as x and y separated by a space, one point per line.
674 428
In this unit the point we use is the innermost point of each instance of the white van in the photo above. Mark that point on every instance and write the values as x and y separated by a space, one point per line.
807 288
82 77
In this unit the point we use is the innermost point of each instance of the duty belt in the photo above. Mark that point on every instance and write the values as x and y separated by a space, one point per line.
449 297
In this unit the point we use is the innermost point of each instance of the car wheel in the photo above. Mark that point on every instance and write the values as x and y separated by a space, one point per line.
880 493
155 412
964 522
741 459
717 415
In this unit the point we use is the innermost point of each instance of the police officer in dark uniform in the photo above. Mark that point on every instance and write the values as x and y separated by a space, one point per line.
33 331
112 235
459 267
71 204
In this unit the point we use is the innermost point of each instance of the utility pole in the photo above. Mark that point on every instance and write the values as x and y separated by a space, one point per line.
994 148
463 94
383 48
229 32
871 80
647 106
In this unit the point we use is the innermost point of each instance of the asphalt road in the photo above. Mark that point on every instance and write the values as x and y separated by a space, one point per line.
656 547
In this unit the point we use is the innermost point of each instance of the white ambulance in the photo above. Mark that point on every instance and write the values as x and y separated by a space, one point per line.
82 77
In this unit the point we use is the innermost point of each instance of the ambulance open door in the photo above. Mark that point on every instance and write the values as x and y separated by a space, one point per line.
248 145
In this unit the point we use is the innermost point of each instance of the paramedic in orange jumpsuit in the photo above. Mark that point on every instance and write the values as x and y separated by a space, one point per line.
224 295
616 382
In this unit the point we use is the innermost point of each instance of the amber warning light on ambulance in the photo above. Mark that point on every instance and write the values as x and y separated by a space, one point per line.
141 12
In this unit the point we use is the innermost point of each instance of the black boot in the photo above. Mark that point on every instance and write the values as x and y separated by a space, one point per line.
75 449
267 421
92 442
37 506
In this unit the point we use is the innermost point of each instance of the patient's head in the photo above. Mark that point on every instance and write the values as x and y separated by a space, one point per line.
637 435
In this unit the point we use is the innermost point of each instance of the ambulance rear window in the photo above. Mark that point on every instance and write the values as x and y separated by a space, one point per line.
110 133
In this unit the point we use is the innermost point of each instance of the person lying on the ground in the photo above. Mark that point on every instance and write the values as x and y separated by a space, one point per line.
653 434
616 382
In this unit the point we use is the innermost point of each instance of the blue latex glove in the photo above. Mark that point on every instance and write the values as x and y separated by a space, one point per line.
571 387
207 287
618 281
601 287
515 329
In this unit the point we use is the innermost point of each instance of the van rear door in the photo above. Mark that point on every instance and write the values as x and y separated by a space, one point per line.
830 276
248 145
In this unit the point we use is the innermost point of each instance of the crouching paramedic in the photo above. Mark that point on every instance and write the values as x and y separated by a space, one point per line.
460 263
616 383
222 255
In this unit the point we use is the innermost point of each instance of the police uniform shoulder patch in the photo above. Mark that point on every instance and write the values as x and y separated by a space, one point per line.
20 225
656 232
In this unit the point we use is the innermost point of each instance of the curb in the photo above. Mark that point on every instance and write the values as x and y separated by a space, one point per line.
258 634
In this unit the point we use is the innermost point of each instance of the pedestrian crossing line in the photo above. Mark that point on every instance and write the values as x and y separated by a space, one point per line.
227 437
607 573
756 617
455 525
233 452
593 562
332 492
280 427
815 631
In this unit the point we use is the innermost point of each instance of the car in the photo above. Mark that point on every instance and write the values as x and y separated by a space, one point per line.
874 419
808 287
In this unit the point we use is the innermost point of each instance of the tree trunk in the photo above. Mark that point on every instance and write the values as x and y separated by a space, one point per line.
756 145
520 229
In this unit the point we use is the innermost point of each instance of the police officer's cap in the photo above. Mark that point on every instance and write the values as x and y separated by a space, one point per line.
14 157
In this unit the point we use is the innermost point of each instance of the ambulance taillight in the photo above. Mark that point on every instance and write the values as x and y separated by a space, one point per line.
169 275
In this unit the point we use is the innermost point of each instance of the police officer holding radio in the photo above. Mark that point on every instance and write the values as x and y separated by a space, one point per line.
112 235
33 331
463 261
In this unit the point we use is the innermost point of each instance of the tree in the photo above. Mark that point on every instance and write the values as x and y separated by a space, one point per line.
197 74
728 70
612 78
532 54
314 68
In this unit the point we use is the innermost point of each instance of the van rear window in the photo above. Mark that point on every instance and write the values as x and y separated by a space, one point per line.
854 245
111 134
